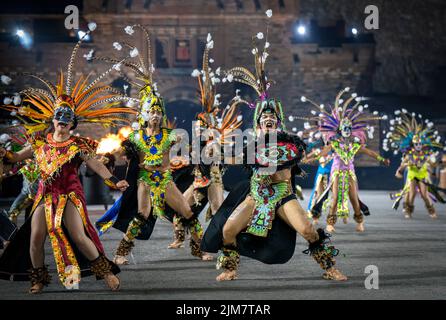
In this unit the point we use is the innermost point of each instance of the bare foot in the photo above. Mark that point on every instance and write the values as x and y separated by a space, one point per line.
207 257
112 281
120 260
176 244
408 216
330 228
315 221
433 216
37 288
334 274
360 227
227 275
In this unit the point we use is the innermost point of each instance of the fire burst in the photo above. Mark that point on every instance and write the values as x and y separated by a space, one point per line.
112 142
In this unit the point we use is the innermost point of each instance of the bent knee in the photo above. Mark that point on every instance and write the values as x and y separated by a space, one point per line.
187 213
229 232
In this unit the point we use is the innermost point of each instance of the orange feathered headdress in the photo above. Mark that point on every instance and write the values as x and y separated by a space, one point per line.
90 101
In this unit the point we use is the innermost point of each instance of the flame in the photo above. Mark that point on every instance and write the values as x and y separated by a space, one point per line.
112 142
124 132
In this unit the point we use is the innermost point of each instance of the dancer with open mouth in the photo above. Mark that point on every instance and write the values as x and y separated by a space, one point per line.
260 217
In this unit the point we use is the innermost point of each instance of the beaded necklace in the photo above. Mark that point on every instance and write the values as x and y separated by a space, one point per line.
153 146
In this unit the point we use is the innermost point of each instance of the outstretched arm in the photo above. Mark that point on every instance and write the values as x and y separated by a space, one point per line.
316 154
105 174
374 155
14 157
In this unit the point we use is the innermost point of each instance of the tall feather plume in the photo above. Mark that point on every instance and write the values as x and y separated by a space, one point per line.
329 121
404 126
72 60
38 106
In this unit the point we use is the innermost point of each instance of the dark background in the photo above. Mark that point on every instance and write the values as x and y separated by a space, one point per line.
402 64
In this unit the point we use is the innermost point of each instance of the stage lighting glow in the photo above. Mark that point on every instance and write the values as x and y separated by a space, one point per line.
24 38
301 30
20 33
81 34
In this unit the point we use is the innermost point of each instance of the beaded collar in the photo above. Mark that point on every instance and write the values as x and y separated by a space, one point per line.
56 144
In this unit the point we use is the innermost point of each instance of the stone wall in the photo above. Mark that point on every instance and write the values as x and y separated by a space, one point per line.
406 59
410 42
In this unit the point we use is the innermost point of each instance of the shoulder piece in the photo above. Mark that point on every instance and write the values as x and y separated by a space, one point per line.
287 137
36 141
86 146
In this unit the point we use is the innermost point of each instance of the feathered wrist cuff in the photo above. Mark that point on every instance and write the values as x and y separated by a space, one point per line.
380 159
111 182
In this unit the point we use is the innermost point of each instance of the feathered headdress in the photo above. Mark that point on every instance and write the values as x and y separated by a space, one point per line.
207 80
226 120
407 128
89 101
348 112
143 68
259 81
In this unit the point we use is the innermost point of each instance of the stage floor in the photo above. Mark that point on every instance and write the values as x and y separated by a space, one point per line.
410 256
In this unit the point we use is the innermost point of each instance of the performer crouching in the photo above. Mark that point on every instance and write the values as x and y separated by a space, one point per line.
260 219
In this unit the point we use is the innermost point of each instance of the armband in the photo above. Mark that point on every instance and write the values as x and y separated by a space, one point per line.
111 182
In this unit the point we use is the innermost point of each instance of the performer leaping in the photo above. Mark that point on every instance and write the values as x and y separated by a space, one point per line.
345 129
260 217
60 208
419 143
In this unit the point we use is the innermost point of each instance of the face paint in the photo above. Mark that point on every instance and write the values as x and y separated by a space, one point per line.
346 128
418 146
64 114
268 121
416 142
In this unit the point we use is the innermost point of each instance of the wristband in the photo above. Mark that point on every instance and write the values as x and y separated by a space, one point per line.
9 155
380 159
111 182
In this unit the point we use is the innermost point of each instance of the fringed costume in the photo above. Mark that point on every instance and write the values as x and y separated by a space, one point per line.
149 159
212 127
58 164
419 143
344 128
250 221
